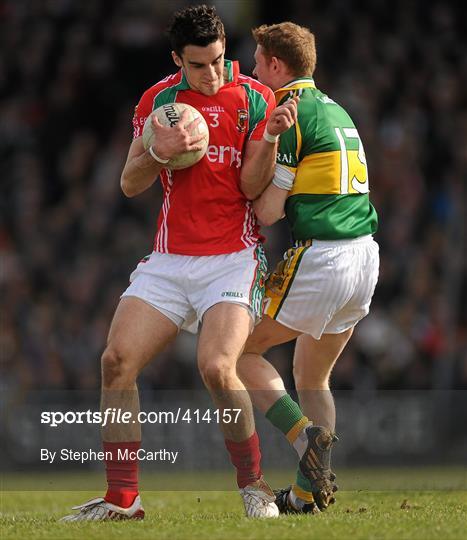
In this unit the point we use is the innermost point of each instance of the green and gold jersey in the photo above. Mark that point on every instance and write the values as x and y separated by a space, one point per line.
329 198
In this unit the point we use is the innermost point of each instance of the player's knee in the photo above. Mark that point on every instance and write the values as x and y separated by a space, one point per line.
115 368
217 374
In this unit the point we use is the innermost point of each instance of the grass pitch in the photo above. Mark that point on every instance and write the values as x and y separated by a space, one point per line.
359 514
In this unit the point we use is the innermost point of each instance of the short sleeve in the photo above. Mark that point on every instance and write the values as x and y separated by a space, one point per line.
261 103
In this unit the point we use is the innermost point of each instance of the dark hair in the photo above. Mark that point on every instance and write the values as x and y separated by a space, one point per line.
195 25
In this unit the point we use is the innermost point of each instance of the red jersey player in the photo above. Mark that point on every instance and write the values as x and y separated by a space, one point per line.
207 264
193 219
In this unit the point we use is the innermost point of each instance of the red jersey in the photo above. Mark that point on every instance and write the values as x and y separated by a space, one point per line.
204 212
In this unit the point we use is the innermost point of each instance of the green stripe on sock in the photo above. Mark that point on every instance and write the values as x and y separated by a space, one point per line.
303 482
284 414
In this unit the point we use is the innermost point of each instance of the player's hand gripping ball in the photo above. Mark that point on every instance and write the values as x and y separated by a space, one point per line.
169 115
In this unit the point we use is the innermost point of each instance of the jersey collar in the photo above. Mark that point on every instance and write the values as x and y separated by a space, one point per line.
293 86
231 72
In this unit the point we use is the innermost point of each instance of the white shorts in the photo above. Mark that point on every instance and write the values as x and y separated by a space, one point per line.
324 287
184 287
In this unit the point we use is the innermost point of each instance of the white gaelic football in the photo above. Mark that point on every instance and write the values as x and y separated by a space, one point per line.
169 115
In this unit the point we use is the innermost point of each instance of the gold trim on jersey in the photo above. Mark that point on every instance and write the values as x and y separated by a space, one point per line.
291 87
298 133
280 281
320 173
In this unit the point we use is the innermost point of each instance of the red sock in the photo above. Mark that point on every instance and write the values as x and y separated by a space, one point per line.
246 458
122 473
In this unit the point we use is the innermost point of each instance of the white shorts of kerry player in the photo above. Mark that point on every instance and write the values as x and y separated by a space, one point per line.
324 288
184 287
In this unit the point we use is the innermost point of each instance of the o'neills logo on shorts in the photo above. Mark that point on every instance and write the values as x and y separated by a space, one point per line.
232 294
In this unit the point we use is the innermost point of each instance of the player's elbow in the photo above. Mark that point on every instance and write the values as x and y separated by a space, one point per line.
267 214
268 219
249 191
251 185
127 187
267 222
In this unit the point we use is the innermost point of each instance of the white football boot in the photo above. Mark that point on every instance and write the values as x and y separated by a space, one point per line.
100 510
258 499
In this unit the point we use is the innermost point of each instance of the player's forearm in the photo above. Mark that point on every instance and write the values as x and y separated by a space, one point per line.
257 173
139 174
269 208
258 167
267 214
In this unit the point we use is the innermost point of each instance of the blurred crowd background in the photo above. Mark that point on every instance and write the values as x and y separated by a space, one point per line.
71 73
